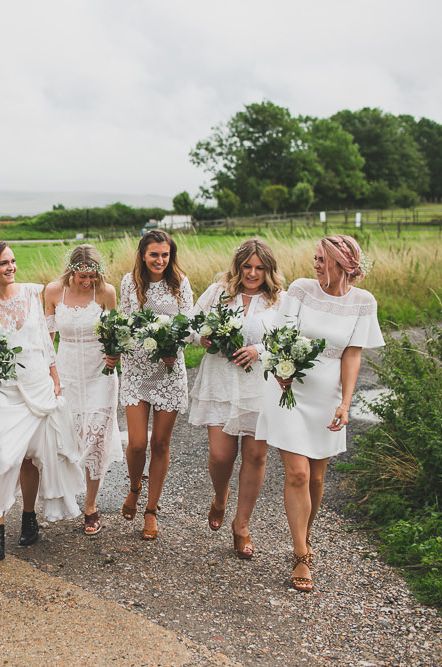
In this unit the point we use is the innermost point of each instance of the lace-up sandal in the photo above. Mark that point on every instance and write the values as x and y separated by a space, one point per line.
216 516
150 533
303 584
92 524
243 545
130 512
309 545
29 529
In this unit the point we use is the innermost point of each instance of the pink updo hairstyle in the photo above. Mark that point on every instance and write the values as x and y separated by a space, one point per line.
346 252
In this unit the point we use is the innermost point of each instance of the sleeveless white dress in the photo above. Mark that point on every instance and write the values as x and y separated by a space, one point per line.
223 393
143 379
92 396
34 423
344 321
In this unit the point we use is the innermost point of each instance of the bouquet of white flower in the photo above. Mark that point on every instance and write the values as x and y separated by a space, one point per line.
223 327
162 335
115 335
8 360
286 355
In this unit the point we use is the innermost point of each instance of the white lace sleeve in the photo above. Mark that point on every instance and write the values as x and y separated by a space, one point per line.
48 346
367 332
50 323
126 282
186 297
207 299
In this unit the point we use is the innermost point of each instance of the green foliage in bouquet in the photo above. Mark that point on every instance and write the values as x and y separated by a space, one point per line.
223 327
115 335
8 360
287 354
162 336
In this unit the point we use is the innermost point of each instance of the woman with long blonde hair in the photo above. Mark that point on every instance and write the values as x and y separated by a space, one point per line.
73 305
156 282
225 398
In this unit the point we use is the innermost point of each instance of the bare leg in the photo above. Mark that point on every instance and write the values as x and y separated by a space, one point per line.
318 468
251 477
297 501
223 450
92 487
137 420
29 480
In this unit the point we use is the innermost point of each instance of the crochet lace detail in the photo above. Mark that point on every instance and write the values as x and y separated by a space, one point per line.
326 306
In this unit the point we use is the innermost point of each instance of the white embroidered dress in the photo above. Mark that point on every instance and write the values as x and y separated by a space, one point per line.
223 393
349 320
92 396
142 379
34 423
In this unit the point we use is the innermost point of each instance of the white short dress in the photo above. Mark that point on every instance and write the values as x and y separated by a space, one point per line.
349 320
92 396
34 423
223 393
145 380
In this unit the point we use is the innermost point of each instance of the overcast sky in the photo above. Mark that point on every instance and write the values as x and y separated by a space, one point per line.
110 95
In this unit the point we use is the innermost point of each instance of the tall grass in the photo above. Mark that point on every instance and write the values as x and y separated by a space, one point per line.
406 278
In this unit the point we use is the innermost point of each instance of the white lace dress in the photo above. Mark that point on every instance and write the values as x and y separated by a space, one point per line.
344 321
34 423
92 396
223 393
142 379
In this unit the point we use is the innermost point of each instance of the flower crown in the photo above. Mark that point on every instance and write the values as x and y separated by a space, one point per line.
86 267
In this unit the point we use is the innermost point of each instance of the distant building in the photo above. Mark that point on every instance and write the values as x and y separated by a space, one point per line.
171 222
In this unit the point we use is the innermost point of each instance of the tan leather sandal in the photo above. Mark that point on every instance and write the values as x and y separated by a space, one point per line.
243 545
216 516
303 584
92 524
127 511
150 533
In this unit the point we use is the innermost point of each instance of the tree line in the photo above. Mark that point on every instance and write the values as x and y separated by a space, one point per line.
266 159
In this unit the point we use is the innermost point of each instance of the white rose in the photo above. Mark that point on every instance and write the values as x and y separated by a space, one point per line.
205 330
130 321
150 344
234 322
285 369
154 326
266 359
163 319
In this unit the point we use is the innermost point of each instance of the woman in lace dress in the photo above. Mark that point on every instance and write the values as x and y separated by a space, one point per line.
329 307
156 282
73 307
38 449
226 399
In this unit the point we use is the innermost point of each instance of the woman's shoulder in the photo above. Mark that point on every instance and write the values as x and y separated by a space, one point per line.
363 297
127 280
53 288
301 285
32 288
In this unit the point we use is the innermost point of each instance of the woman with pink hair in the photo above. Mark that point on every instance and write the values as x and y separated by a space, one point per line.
329 307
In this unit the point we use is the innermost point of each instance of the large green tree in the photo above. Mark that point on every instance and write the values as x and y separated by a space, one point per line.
387 144
428 135
183 203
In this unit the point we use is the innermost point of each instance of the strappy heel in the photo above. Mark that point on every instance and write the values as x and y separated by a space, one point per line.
240 542
303 584
152 533
216 515
130 512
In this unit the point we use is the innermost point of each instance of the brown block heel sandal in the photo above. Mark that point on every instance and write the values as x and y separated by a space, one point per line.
130 512
243 546
303 584
92 524
150 533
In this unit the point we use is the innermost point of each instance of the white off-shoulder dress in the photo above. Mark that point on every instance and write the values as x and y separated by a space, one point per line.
92 396
344 321
223 393
34 424
143 379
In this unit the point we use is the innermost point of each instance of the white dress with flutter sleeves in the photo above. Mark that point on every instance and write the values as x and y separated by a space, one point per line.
344 321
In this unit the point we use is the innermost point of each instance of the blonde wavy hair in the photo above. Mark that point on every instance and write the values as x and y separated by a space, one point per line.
173 274
86 256
273 282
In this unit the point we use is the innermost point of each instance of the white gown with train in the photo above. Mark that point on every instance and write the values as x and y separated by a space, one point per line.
34 423
349 320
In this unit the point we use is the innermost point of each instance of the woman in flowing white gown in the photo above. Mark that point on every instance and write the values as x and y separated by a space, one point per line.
73 305
157 283
38 448
329 307
225 398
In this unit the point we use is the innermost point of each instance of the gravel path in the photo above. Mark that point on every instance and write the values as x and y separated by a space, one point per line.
190 582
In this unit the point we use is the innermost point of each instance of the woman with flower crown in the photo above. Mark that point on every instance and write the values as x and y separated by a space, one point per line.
74 304
38 448
225 398
329 307
158 283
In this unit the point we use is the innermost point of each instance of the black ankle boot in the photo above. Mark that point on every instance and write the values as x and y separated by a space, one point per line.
29 529
2 541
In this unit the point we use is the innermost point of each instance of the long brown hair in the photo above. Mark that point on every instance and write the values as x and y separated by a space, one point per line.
272 285
173 274
3 246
